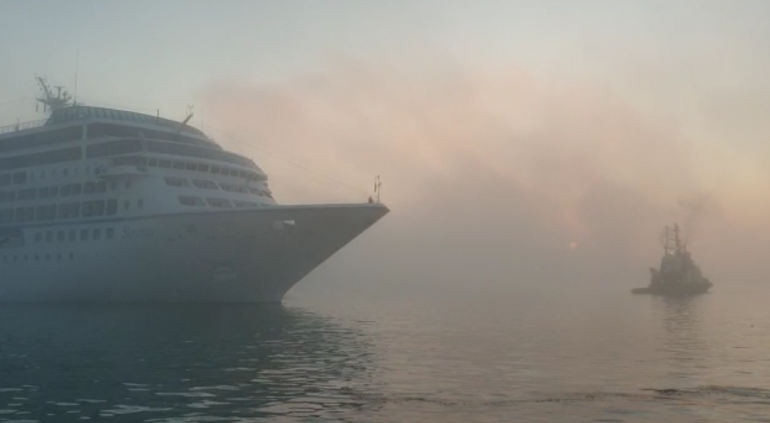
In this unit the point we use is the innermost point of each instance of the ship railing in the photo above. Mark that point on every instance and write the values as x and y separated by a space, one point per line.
22 126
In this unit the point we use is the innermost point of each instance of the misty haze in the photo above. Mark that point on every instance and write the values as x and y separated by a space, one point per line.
384 211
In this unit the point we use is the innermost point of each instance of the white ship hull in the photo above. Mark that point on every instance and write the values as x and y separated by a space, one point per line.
245 255
107 205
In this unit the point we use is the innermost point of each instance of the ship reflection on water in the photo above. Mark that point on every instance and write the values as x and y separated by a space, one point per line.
683 342
181 363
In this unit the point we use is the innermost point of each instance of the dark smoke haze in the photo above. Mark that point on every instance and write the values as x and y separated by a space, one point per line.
499 178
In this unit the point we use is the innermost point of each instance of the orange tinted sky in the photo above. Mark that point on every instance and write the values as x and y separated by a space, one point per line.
503 130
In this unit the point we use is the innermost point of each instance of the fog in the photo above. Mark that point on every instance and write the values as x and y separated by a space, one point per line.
500 176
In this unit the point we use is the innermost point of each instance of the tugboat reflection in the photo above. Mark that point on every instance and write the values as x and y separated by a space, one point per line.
683 347
171 363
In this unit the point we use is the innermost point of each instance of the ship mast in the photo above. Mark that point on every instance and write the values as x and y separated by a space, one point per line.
672 243
50 100
187 119
677 242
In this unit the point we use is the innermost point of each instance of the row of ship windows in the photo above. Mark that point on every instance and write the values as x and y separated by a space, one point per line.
72 235
118 147
189 200
20 178
17 178
192 166
143 144
99 208
64 173
97 187
100 187
95 208
36 257
199 183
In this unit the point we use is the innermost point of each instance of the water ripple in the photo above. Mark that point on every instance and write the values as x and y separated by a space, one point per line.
391 362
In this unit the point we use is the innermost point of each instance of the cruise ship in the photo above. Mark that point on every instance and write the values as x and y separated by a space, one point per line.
107 205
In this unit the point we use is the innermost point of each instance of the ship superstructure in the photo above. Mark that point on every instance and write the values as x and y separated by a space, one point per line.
678 273
100 204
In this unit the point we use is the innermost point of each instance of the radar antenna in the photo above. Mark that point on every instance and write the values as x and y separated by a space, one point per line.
50 100
187 119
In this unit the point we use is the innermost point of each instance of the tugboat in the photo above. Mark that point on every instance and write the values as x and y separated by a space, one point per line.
678 274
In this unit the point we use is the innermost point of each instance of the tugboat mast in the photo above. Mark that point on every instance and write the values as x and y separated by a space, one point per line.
677 241
672 243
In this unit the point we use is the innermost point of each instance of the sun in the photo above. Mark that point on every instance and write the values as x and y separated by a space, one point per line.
572 245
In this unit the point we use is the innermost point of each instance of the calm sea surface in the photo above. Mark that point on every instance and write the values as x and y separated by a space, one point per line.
441 357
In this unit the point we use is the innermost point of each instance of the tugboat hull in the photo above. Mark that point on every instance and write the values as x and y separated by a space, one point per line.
678 274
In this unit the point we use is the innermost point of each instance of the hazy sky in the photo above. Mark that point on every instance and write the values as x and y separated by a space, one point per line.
504 130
